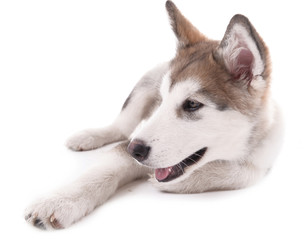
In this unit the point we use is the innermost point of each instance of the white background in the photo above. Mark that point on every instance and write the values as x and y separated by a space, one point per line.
69 65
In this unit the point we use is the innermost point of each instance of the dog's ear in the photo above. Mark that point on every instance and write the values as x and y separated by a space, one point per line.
243 51
185 32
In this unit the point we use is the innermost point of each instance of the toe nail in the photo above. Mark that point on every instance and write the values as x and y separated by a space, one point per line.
27 217
38 223
52 218
54 222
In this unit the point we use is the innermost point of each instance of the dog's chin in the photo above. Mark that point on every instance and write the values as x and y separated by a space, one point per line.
170 173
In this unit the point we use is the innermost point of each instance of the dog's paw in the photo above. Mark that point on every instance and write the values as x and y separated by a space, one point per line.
52 213
84 141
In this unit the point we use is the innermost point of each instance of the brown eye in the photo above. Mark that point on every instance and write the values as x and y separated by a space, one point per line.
191 105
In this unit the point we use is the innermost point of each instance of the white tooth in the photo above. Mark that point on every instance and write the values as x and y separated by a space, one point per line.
169 169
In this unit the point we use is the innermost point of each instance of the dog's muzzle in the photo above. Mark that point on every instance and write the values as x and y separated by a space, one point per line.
140 151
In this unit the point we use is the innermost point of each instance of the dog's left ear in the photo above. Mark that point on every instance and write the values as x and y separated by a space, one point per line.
243 51
185 32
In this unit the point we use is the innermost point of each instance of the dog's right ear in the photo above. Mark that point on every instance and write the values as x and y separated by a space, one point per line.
185 32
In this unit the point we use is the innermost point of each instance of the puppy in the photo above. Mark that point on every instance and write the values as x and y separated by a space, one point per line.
202 121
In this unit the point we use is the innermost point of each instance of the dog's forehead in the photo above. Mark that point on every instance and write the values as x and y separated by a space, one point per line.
194 70
181 89
196 61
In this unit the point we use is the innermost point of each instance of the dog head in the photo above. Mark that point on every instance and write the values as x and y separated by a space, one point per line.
214 98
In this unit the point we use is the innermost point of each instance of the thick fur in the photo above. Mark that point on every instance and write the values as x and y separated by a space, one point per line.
238 124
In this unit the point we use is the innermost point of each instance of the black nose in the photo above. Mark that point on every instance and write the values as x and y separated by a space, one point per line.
138 150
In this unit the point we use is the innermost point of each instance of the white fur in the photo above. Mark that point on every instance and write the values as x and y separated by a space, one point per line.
72 202
172 139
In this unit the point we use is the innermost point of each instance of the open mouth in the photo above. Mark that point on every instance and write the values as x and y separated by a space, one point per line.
173 172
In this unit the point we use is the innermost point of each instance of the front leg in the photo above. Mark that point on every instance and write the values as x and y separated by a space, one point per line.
93 138
75 201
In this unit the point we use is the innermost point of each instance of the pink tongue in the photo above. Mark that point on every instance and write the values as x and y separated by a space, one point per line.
162 173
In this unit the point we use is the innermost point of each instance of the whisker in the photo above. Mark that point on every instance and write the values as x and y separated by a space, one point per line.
181 168
191 159
184 164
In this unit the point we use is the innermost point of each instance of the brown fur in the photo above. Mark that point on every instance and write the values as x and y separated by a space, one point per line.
186 33
198 59
212 76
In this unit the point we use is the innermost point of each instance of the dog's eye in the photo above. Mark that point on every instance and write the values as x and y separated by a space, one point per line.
191 105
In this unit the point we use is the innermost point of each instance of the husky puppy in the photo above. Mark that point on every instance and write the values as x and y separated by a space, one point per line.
202 122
